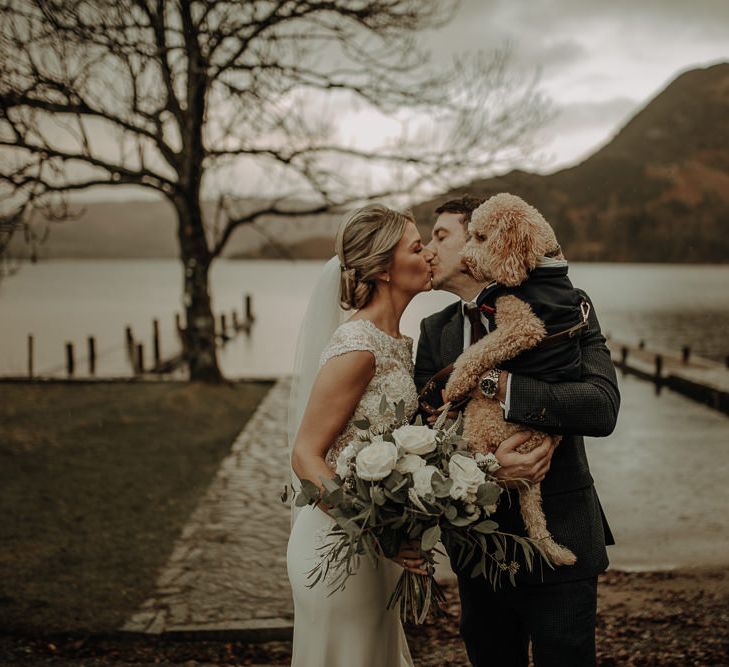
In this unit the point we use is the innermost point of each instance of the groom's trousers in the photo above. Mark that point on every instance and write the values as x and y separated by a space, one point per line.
558 618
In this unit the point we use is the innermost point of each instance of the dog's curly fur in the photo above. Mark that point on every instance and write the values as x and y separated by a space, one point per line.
507 236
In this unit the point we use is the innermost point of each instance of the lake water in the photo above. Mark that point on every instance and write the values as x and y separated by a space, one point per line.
661 501
68 300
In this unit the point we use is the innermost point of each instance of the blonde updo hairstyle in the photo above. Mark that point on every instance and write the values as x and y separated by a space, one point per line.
365 245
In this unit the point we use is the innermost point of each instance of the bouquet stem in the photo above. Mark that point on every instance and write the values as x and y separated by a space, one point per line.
417 595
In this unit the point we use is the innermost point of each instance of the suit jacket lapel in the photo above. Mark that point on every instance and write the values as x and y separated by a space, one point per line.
452 339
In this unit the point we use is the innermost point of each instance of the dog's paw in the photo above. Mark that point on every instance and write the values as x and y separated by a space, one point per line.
458 387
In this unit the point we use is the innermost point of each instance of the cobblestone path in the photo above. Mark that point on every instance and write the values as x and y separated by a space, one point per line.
227 571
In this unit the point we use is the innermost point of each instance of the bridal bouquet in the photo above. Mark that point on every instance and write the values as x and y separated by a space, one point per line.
412 484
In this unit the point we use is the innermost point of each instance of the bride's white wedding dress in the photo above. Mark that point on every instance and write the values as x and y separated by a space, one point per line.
352 628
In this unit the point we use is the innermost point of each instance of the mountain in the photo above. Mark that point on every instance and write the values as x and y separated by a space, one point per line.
148 229
657 192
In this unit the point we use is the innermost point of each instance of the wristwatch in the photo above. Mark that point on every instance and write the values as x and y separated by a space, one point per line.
489 383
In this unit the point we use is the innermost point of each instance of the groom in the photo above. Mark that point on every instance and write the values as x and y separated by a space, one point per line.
554 609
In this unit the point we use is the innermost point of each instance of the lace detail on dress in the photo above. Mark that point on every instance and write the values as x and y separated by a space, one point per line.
393 375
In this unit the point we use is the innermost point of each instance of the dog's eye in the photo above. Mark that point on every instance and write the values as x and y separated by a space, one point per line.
479 237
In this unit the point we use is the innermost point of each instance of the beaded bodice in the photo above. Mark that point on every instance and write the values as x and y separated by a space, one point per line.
393 374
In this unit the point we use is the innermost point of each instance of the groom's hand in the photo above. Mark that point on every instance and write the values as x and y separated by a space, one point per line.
532 467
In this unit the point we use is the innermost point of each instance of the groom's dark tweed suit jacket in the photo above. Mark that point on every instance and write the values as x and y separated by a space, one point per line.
571 409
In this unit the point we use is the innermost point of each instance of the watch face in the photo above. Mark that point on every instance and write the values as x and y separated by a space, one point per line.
488 387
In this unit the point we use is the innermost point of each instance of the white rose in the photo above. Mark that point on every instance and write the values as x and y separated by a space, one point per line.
413 439
409 463
423 480
459 491
466 476
376 461
346 455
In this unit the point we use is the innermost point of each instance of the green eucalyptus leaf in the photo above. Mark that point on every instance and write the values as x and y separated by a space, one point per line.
441 485
363 489
394 481
383 404
334 498
430 538
329 484
441 418
362 424
460 521
415 530
400 410
451 512
457 426
310 490
478 569
488 493
486 526
378 495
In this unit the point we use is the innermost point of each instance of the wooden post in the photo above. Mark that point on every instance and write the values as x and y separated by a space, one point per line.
685 354
659 372
140 358
236 326
641 344
223 327
624 357
92 355
248 317
155 341
69 359
130 341
30 355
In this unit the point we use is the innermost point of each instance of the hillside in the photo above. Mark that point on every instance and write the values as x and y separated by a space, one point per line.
658 192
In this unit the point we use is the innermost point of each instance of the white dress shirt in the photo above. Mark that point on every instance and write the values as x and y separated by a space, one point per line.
506 405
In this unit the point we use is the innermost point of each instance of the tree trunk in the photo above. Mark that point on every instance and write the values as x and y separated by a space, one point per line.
198 336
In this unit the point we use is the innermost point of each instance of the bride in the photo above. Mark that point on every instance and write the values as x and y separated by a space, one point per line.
342 370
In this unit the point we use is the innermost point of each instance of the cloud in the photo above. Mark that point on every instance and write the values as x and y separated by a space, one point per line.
589 115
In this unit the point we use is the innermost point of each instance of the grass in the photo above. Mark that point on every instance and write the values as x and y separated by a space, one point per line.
96 482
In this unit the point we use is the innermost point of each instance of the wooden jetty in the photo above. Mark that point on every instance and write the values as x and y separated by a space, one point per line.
700 379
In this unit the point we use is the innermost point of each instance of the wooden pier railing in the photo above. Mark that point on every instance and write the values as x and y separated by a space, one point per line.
135 347
700 379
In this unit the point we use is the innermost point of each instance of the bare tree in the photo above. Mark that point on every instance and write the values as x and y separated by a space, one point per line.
193 98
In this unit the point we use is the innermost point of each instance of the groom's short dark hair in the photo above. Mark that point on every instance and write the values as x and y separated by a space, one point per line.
464 205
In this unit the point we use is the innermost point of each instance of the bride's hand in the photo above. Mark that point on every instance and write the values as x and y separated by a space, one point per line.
410 559
452 414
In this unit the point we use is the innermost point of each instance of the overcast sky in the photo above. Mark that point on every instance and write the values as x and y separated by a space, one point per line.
599 61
